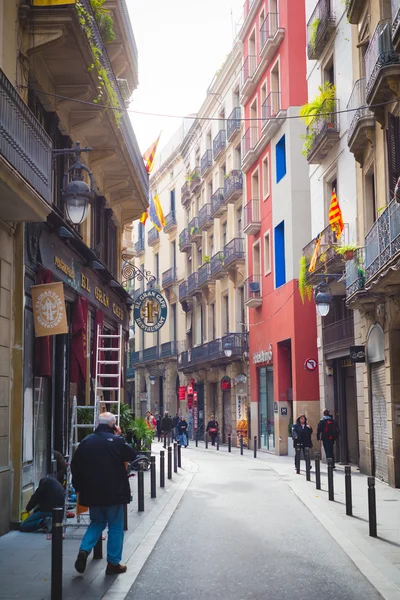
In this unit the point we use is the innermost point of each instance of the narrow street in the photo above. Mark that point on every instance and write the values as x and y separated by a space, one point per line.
240 531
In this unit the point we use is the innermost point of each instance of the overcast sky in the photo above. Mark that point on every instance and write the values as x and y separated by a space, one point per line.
181 43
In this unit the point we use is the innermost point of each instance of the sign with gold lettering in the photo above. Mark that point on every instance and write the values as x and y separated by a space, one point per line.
101 297
49 309
60 264
117 311
150 312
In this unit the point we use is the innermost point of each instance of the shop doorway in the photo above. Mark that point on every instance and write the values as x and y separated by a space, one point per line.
266 407
226 416
346 411
200 408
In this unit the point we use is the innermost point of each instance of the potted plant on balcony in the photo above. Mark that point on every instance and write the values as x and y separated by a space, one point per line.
206 259
346 251
320 107
305 288
313 32
193 230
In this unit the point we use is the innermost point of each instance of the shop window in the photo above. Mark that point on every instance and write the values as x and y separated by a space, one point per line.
280 266
280 150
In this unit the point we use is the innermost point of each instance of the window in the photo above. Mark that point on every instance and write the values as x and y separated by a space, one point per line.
142 280
393 150
173 254
157 267
263 94
329 72
280 274
280 150
255 186
224 240
225 315
265 176
212 324
267 254
239 223
256 259
172 201
173 322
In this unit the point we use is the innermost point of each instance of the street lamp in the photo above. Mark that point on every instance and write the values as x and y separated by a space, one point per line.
228 350
322 294
152 379
229 343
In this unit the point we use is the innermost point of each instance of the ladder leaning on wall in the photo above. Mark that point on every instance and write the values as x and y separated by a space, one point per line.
110 382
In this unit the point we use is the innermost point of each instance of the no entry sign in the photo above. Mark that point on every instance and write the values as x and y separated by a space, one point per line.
310 364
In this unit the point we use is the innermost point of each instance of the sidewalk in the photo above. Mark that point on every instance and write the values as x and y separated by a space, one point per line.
25 558
377 558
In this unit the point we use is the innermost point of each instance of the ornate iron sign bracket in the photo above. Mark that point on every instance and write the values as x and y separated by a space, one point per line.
130 272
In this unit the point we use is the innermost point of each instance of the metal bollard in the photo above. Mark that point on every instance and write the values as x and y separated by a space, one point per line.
165 441
140 482
241 445
175 457
217 442
308 466
197 439
162 469
125 517
229 443
169 462
179 456
98 549
331 493
297 459
206 439
56 553
347 484
255 446
153 492
372 507
318 470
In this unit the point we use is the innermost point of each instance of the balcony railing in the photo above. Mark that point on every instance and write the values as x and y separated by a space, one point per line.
329 242
354 10
153 236
360 120
319 28
213 352
233 186
234 252
139 247
395 18
194 230
252 217
183 293
323 134
185 193
23 141
382 242
217 265
355 273
205 219
252 291
268 29
169 277
248 69
195 180
219 143
170 221
150 353
270 107
249 140
338 335
379 54
168 349
206 162
233 122
204 274
184 241
193 283
217 202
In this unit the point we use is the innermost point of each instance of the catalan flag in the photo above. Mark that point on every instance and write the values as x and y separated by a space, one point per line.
156 213
335 216
143 218
52 2
314 258
149 155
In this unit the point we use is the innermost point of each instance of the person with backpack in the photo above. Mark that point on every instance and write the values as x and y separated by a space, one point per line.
301 434
328 432
212 429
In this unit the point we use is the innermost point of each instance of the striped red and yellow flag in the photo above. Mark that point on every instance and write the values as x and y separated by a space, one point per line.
314 258
150 154
52 2
143 217
335 216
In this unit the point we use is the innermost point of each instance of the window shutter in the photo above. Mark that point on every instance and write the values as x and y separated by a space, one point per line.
393 144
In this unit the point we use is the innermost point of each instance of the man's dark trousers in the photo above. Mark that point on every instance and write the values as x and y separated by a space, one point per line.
328 447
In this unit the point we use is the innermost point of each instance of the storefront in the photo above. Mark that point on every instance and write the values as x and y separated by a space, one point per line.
266 407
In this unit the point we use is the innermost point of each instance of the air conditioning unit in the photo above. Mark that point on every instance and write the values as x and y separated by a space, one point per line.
124 89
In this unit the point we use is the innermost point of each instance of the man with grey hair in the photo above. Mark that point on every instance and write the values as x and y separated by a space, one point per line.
99 476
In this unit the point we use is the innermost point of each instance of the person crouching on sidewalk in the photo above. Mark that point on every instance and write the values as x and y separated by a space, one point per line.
301 433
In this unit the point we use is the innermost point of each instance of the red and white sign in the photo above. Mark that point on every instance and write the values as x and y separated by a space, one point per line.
190 389
195 412
310 364
182 392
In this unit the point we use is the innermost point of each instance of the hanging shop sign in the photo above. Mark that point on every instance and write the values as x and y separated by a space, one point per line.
182 392
310 364
195 412
357 354
262 357
242 378
150 312
49 309
225 383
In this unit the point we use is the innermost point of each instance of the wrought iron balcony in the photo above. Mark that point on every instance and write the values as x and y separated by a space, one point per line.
354 10
339 335
183 291
26 147
361 122
218 205
355 273
206 162
185 193
170 222
272 115
382 243
193 284
382 66
271 36
195 180
234 253
184 241
247 81
327 258
219 143
233 123
151 353
205 218
252 217
169 277
396 22
194 230
139 247
249 142
319 29
217 266
323 134
252 291
136 358
233 186
153 237
204 274
213 352
169 350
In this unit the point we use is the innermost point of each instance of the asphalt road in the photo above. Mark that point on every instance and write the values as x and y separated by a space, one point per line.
241 533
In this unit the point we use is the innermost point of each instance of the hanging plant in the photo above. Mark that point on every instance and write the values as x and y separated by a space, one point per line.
320 106
313 32
305 288
346 251
104 20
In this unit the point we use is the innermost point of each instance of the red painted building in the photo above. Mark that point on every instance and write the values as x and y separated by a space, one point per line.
277 219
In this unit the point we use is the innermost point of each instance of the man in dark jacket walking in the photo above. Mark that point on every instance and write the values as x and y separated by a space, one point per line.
328 432
301 434
99 476
166 424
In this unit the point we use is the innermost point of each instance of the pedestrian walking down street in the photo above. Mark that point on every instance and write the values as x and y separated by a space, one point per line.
328 432
175 421
158 421
151 421
182 431
49 494
301 434
212 429
99 476
166 424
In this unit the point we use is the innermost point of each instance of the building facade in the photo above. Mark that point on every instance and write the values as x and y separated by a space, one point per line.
282 331
43 242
